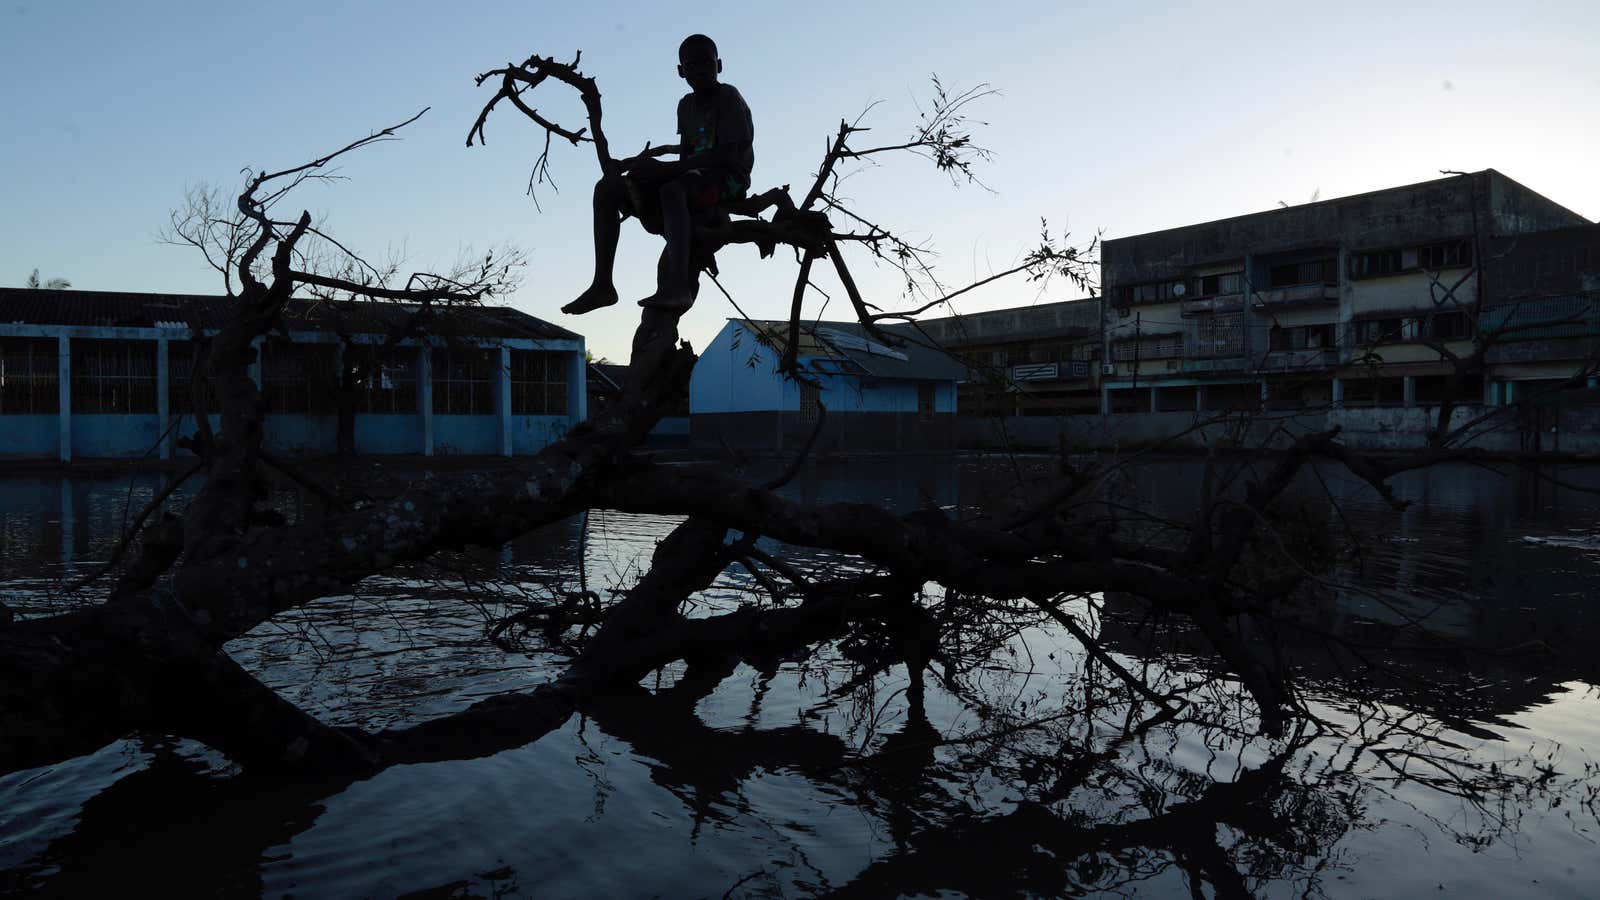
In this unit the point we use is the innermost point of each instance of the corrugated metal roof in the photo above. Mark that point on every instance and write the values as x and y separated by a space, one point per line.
913 360
117 308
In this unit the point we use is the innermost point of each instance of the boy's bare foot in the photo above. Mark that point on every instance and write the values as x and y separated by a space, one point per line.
597 296
669 299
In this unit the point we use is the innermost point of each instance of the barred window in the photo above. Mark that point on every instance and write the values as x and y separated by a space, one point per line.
297 378
1150 347
390 385
538 383
113 376
463 381
180 382
1316 271
28 376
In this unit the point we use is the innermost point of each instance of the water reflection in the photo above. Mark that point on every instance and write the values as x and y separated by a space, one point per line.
1466 768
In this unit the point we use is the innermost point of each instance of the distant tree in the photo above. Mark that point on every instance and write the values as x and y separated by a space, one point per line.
54 284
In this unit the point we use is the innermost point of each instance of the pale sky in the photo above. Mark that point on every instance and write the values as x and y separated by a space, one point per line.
1121 117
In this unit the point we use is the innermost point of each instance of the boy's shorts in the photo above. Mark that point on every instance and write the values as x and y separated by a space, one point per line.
706 188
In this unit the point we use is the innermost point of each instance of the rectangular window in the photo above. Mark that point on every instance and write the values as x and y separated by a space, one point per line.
463 381
1146 348
111 376
1379 331
1226 283
390 385
1154 292
1443 255
297 378
1450 254
181 376
1316 271
539 383
810 402
1303 337
1448 326
29 376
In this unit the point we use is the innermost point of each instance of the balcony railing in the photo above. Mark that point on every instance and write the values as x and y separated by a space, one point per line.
1292 360
1221 303
1301 293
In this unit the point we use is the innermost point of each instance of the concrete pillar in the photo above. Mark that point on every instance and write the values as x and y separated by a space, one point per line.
64 395
1105 401
163 397
1338 392
1510 392
1199 398
577 388
1265 393
1491 392
1155 399
425 396
502 400
1408 385
255 367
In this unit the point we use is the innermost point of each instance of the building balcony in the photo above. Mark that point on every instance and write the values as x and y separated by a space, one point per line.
1298 294
1221 364
1299 360
1220 303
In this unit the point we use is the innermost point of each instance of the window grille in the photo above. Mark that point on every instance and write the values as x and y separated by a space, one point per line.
463 381
111 376
538 383
390 385
180 382
1316 271
29 377
297 378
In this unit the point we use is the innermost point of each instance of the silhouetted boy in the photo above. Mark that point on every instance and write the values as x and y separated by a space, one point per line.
715 155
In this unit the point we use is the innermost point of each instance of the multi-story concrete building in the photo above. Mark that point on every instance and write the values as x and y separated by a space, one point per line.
1349 301
87 374
1039 360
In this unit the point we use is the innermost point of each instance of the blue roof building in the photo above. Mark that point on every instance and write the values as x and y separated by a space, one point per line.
93 374
877 397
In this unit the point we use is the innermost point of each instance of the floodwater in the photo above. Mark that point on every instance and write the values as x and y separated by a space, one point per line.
1452 661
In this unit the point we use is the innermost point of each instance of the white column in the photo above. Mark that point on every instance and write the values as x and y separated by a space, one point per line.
1338 392
425 396
1408 386
255 367
64 395
1155 401
163 379
1199 398
1105 401
1510 392
577 388
502 400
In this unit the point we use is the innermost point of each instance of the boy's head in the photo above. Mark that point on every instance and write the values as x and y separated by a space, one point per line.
697 61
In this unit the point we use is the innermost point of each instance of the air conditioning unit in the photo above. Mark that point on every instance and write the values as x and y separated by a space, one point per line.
1108 368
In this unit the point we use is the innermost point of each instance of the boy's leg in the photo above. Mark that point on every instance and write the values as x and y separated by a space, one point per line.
610 196
673 288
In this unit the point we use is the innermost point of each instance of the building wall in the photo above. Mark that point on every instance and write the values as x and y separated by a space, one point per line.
460 435
99 435
842 432
301 435
115 436
735 373
530 434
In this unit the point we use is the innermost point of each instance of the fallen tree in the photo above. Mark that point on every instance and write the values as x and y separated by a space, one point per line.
149 657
